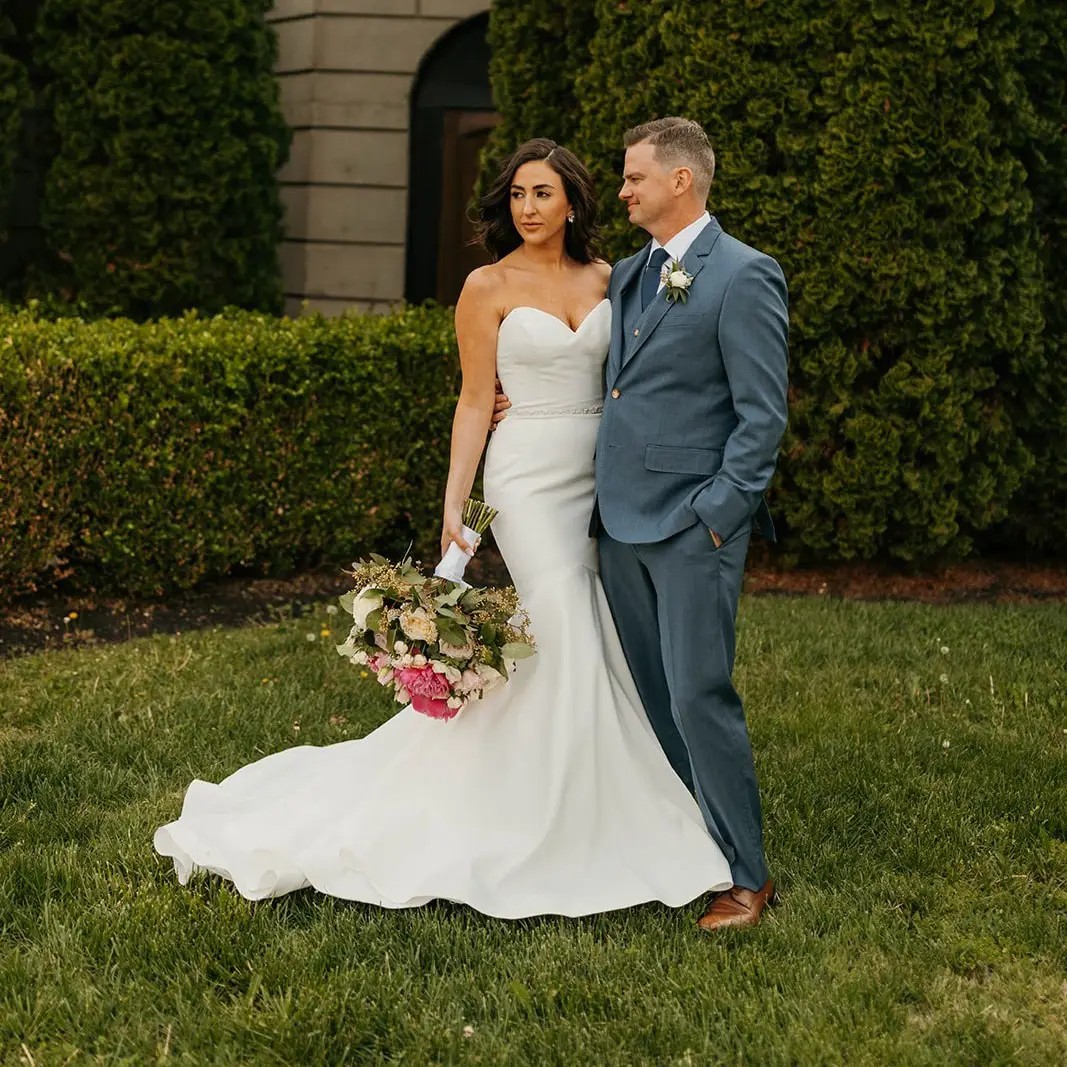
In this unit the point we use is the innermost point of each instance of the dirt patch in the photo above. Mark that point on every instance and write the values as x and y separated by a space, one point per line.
962 583
37 623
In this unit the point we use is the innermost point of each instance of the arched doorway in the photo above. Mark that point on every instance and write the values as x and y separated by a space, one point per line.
451 116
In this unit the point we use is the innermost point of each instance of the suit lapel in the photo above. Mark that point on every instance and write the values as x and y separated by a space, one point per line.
628 270
694 261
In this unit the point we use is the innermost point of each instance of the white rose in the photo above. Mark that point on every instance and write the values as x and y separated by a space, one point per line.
363 605
418 626
468 681
490 677
679 280
456 651
450 673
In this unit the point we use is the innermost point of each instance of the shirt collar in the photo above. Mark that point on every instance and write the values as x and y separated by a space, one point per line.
680 243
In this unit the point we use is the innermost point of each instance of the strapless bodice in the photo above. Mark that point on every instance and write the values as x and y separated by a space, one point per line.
545 367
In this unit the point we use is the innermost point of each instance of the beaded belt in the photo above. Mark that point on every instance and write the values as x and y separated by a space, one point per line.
545 412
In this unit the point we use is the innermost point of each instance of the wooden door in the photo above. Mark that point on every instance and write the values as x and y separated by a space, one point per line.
465 133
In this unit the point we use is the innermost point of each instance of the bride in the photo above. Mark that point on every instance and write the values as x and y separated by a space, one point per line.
552 794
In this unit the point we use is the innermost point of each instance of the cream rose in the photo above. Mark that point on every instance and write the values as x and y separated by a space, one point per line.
456 651
489 677
418 626
468 682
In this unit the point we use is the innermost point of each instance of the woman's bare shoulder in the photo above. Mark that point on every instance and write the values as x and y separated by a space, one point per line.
483 287
482 279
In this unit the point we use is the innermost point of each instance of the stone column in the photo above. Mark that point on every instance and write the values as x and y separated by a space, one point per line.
346 69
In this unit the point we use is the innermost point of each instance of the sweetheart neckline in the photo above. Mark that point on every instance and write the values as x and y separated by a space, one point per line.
548 314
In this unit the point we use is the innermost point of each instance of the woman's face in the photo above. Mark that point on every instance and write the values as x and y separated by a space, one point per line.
539 204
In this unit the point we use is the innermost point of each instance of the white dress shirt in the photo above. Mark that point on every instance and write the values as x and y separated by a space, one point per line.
680 243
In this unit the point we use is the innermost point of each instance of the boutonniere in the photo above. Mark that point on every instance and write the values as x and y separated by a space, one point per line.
676 279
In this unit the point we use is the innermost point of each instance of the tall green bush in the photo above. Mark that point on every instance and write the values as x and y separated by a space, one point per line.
926 304
138 459
162 195
870 147
14 98
538 49
1039 515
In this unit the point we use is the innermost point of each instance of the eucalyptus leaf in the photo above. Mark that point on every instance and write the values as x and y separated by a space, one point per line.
450 632
452 597
517 650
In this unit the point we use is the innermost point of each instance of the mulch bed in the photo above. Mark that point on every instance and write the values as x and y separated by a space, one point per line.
40 622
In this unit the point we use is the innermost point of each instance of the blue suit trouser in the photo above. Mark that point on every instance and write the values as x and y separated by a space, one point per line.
674 603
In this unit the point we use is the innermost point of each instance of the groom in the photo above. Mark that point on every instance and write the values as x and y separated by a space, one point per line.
694 412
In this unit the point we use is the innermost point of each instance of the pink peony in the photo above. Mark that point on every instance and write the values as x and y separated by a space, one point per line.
429 691
435 709
423 681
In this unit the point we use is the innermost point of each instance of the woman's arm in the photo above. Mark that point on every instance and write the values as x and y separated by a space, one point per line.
477 323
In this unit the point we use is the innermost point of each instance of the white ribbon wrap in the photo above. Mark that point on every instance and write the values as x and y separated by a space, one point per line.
455 560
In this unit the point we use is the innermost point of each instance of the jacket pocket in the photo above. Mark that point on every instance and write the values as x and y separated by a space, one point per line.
673 459
677 319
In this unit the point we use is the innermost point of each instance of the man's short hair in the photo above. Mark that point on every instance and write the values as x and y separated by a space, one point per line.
679 143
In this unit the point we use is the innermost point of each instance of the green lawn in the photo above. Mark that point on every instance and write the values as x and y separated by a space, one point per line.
915 787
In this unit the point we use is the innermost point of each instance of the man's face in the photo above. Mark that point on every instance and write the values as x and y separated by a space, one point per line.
647 186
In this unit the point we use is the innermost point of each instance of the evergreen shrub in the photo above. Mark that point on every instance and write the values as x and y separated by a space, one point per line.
14 99
168 132
904 163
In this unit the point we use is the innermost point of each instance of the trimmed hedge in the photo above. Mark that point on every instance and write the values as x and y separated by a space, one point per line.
162 195
877 151
14 99
139 459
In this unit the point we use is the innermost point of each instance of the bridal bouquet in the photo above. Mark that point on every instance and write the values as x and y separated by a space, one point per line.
438 643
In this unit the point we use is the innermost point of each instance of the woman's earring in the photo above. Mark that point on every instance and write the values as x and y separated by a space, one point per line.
570 217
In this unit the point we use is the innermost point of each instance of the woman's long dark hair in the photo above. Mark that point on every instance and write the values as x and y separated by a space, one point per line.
495 228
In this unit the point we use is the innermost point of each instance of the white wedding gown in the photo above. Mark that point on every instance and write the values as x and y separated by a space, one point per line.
551 795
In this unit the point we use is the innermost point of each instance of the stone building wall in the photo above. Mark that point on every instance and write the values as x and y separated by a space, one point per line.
346 69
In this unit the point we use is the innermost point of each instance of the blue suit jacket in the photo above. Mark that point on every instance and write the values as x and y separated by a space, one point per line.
695 403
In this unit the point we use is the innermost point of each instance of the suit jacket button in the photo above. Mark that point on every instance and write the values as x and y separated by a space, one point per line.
615 394
636 332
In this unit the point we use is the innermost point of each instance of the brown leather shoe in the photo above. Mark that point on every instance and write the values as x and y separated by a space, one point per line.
737 907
